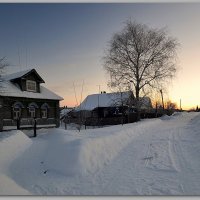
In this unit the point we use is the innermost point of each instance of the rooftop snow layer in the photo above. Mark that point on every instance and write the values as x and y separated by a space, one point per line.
16 74
104 100
10 89
111 99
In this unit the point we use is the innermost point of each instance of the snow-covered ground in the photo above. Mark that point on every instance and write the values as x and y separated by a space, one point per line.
151 157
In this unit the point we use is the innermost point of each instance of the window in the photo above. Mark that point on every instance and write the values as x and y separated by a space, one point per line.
44 113
32 111
16 112
31 86
44 110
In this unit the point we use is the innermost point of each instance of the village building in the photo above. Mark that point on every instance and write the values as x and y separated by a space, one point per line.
65 112
106 104
23 99
109 108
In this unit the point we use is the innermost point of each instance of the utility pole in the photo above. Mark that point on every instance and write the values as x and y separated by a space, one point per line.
156 109
161 92
81 114
75 94
122 119
98 104
180 105
98 95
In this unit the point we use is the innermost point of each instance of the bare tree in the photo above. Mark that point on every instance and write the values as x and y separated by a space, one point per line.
171 105
140 58
3 65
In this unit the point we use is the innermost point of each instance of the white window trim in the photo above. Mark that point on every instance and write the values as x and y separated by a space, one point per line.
32 82
32 112
16 113
44 116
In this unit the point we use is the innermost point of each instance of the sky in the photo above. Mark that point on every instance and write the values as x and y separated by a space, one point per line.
65 43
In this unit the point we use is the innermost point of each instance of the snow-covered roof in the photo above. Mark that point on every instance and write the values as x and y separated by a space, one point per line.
145 102
65 111
16 74
104 100
21 74
7 88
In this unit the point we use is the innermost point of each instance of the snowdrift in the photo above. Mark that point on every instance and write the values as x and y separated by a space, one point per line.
12 145
97 152
95 148
91 151
138 158
9 187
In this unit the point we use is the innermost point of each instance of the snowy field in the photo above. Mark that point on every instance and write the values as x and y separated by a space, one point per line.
152 157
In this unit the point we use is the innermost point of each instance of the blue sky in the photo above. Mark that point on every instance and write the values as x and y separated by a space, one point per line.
65 42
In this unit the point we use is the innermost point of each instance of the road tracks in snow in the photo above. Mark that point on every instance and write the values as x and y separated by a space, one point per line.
159 155
146 166
153 162
164 161
183 153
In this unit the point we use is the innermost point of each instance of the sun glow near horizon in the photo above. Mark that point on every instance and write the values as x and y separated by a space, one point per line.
72 51
186 103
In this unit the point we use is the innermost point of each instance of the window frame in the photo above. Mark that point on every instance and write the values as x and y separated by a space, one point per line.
32 83
16 113
44 110
32 112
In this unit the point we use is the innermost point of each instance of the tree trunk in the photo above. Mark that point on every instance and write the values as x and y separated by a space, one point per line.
138 111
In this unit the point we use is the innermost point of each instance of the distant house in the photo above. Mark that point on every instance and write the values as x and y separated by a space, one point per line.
145 103
106 104
23 97
108 108
115 100
64 112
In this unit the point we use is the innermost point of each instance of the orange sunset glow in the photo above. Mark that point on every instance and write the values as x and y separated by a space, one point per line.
69 56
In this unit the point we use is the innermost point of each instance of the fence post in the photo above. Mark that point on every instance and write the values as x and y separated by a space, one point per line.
18 123
65 125
65 121
35 126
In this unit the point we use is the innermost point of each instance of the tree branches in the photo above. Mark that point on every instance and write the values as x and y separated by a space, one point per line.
3 64
140 55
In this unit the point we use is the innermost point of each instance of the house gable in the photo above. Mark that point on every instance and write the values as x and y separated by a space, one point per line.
24 80
15 85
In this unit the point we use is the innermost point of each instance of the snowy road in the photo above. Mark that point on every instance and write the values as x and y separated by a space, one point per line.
154 157
157 162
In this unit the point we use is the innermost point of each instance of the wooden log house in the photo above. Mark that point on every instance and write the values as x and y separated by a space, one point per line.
22 97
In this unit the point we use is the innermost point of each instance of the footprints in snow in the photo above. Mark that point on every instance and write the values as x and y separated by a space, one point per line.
159 157
45 171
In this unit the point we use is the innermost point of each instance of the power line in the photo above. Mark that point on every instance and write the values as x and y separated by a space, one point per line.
81 92
19 58
75 94
98 94
26 57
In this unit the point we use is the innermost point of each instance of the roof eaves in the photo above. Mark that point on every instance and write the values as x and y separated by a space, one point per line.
27 73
